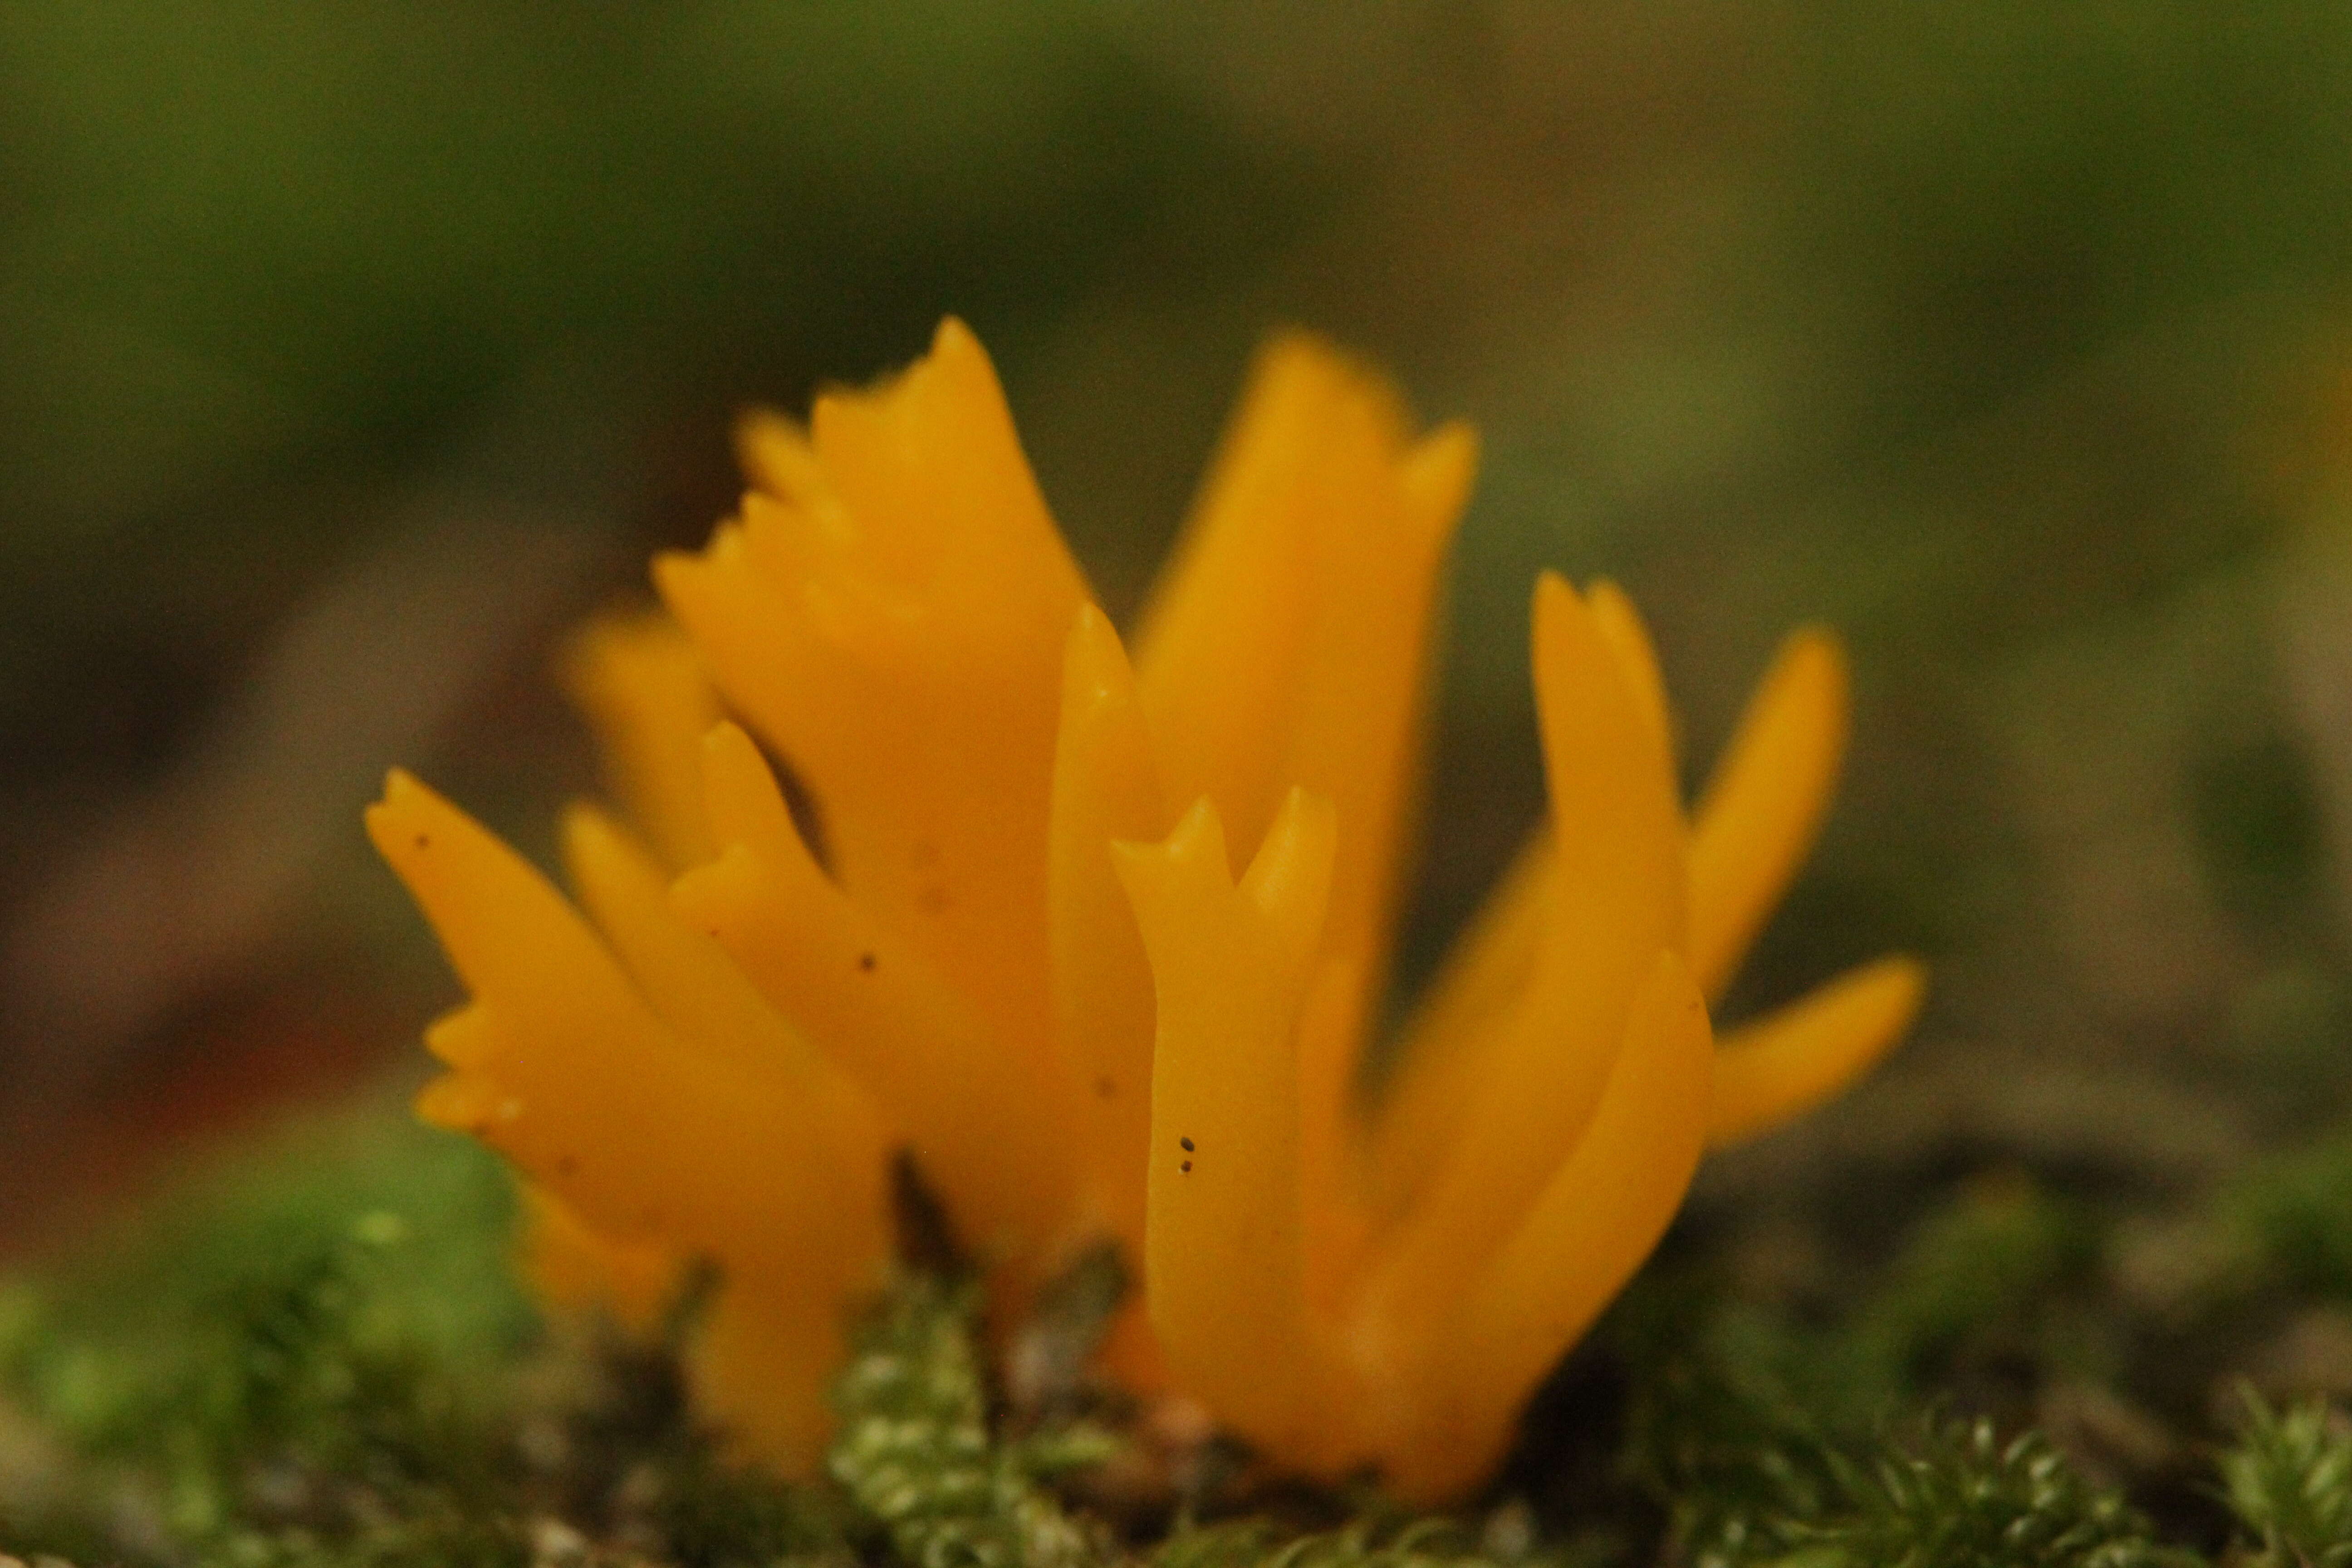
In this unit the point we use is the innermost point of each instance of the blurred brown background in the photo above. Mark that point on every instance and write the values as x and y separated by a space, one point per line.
351 349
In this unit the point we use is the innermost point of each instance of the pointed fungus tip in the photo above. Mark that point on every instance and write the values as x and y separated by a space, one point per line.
1440 471
1092 636
1310 811
677 576
1198 839
1817 649
392 823
726 739
953 336
1201 825
958 360
1909 978
1293 860
1293 347
1559 612
1095 672
581 826
756 422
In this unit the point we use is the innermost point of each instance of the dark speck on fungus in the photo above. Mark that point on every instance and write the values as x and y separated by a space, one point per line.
1186 1167
1187 1143
865 961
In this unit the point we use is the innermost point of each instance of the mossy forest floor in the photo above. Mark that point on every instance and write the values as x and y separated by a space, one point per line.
313 1354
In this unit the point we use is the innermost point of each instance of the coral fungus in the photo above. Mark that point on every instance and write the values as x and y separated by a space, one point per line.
1009 937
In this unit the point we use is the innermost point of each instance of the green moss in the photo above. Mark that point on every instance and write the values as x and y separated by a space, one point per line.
2288 1213
1988 1263
2289 1481
1719 1434
295 1348
315 1357
1367 1543
1954 1494
916 1455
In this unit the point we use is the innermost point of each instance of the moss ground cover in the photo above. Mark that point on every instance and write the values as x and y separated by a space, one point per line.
312 1353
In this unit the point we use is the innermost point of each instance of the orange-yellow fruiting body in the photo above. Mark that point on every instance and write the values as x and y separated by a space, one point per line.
583 1048
641 683
1098 940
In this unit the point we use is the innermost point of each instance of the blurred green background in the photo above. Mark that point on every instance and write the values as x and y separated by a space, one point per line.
352 348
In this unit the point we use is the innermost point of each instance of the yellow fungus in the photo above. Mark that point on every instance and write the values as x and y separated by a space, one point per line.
640 682
1098 940
573 1052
